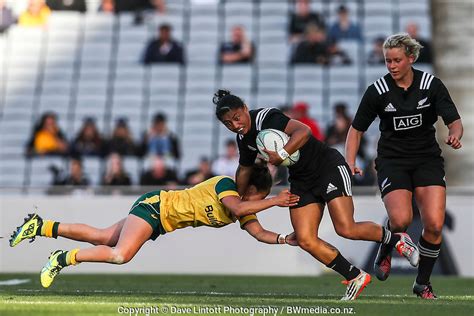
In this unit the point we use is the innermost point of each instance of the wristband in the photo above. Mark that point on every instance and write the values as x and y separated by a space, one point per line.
283 154
281 239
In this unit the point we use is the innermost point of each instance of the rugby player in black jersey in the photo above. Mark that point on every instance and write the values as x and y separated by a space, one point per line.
408 103
320 176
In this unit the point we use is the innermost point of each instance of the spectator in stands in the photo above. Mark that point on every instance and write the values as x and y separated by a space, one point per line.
202 173
6 17
107 6
159 5
227 164
344 28
376 56
314 49
160 140
159 174
300 112
115 173
36 14
119 6
47 137
301 18
163 49
239 49
426 55
336 133
121 141
88 141
76 175
67 5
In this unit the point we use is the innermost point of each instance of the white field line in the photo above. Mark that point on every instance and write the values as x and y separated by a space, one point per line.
213 293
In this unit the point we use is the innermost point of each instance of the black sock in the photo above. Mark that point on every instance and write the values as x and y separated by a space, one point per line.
428 254
62 259
344 267
389 238
55 229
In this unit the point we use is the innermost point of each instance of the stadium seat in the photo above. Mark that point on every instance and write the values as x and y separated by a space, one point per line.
86 65
94 169
11 171
40 174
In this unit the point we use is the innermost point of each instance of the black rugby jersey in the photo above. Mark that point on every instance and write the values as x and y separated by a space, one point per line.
306 170
406 117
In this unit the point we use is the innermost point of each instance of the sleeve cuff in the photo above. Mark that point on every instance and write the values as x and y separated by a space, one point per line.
223 194
245 219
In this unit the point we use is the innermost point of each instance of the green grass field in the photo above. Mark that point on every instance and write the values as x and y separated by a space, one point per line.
111 294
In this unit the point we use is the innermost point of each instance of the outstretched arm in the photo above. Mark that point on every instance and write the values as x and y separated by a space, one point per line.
241 208
258 232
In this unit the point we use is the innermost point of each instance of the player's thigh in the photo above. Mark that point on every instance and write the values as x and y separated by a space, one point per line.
336 189
306 220
431 201
341 210
135 232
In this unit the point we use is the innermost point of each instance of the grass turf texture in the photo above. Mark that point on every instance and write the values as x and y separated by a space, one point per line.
105 294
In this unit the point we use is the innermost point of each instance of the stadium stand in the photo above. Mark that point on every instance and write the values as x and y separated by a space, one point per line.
88 64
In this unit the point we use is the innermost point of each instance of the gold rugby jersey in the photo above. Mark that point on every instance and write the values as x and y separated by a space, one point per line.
198 206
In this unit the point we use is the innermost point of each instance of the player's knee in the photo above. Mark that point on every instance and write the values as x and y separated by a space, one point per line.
120 256
434 229
346 231
306 242
399 225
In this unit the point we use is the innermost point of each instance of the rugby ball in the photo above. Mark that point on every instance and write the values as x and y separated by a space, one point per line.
274 140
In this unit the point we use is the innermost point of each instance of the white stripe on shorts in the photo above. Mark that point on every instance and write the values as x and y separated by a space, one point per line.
346 179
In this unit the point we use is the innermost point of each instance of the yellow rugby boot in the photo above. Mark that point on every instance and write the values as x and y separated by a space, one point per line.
51 268
30 228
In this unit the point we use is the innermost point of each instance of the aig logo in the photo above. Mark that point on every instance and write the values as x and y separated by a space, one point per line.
406 122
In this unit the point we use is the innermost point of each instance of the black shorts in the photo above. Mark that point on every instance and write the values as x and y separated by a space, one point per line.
334 181
403 174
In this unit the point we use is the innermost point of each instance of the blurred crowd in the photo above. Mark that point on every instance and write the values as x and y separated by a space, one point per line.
160 148
312 40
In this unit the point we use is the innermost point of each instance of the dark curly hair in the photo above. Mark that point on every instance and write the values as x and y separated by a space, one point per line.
261 177
225 101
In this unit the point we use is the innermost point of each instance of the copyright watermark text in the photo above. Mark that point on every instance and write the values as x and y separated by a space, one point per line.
234 310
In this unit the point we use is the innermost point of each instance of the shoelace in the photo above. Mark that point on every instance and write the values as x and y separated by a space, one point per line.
54 271
408 250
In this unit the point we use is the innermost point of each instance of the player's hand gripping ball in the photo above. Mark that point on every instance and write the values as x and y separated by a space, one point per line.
274 140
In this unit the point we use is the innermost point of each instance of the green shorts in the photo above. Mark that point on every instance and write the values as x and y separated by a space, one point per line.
150 213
